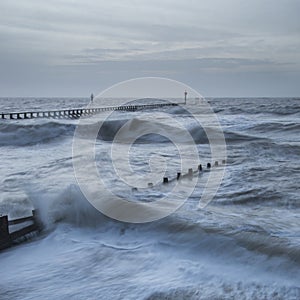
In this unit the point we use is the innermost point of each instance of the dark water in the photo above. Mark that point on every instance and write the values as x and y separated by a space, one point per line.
244 245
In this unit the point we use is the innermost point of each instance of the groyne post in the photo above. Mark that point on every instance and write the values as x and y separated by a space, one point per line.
37 220
5 241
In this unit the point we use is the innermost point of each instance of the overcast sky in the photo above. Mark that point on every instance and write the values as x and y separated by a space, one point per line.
218 47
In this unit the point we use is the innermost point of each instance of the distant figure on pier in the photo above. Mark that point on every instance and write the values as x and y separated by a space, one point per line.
92 97
185 94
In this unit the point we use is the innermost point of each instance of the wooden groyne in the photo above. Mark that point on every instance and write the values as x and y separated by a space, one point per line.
189 175
12 230
78 112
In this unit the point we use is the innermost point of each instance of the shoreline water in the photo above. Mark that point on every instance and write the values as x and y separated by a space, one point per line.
244 245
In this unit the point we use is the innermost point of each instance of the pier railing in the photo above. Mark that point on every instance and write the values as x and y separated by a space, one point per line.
78 112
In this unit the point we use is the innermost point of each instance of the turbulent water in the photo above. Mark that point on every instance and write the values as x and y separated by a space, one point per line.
244 245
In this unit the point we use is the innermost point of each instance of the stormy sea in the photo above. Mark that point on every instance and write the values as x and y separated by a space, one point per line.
244 244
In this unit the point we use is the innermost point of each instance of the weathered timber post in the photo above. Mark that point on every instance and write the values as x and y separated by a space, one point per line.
4 233
37 220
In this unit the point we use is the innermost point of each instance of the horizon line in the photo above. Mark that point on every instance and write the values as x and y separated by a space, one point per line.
215 97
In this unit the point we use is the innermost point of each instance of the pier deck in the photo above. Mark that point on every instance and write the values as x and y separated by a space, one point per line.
78 112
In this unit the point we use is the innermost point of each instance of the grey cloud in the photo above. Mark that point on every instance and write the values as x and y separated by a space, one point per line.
186 65
45 40
81 79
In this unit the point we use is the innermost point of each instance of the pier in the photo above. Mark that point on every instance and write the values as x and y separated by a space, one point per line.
78 112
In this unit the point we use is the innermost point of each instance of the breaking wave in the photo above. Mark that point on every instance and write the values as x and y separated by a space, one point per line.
29 134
